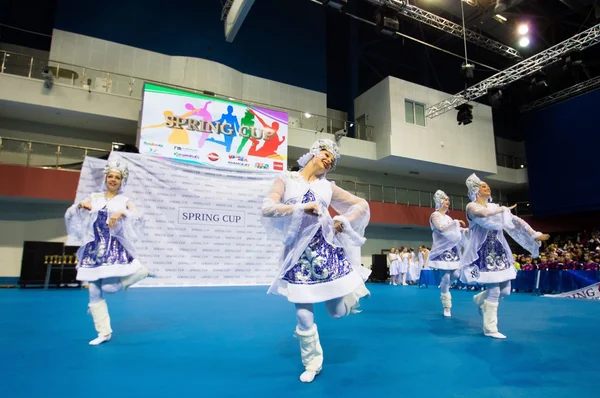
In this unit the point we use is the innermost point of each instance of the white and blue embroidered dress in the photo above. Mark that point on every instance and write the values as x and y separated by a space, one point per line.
105 252
317 264
487 257
448 241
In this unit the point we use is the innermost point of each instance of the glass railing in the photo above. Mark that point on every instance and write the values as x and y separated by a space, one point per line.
46 154
130 86
510 161
70 157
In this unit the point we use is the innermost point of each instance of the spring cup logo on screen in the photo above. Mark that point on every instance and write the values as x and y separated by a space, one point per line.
196 128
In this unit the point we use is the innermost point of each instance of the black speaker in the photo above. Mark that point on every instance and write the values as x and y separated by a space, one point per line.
33 267
379 269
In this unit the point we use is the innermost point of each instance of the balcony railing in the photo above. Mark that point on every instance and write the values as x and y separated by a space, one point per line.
130 86
70 157
46 154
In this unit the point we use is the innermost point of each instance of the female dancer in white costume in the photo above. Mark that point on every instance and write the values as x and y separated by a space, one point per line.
107 224
394 266
321 256
448 241
403 266
488 259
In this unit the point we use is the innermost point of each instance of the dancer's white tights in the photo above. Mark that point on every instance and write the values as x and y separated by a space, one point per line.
101 286
495 291
447 280
306 316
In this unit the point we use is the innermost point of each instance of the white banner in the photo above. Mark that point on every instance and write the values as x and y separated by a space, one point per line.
588 292
202 225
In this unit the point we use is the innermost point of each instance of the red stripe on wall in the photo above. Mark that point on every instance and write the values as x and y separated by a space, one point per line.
32 183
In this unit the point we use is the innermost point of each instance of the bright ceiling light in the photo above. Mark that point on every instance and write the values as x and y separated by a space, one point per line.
523 29
524 41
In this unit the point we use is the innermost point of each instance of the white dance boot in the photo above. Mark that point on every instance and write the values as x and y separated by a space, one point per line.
311 353
351 301
446 303
140 275
478 299
99 312
490 320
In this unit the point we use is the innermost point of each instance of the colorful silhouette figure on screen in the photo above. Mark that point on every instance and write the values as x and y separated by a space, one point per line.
248 121
270 146
230 118
204 115
178 136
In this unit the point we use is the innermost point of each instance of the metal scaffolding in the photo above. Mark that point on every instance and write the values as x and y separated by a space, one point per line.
525 68
428 18
563 95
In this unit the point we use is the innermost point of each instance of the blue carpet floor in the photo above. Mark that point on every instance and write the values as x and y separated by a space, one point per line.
238 342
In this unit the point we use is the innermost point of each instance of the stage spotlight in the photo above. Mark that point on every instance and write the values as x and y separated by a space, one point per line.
467 71
465 114
339 5
524 42
538 85
496 96
523 29
386 20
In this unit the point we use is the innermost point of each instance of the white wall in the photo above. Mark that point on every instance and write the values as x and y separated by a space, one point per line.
442 140
125 62
375 105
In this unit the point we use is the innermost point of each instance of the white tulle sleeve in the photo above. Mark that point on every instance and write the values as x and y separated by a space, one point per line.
131 225
444 226
76 221
500 218
524 235
353 213
281 221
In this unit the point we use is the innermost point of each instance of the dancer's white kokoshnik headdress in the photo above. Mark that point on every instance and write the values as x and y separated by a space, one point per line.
473 183
118 167
317 147
439 197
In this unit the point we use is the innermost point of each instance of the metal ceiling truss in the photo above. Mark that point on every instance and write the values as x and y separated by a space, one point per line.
525 68
563 95
428 18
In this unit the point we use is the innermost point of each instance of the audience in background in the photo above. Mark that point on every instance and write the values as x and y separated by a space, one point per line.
578 252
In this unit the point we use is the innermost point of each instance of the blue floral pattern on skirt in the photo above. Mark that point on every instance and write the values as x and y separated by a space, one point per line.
320 262
492 256
105 249
448 256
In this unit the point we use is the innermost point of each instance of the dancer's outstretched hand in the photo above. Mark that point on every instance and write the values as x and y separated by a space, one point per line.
543 238
462 223
85 205
338 226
